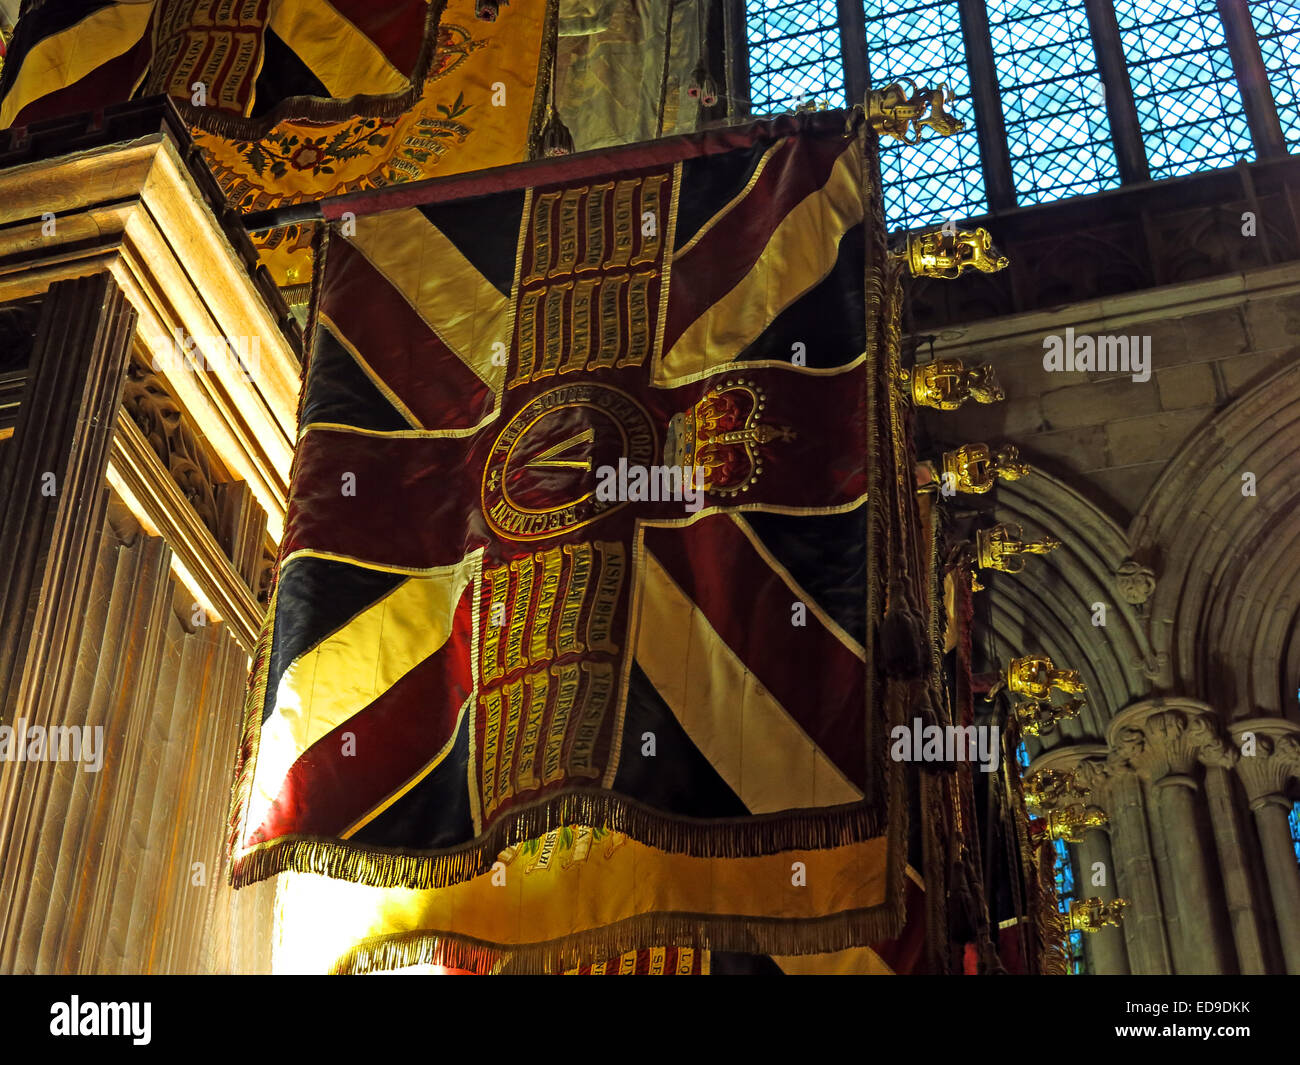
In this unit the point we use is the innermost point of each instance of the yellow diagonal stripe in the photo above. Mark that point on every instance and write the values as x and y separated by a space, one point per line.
801 252
68 56
351 667
347 62
748 737
458 303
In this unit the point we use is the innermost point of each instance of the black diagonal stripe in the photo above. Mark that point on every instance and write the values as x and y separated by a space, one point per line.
678 779
709 183
486 232
826 554
434 814
338 390
315 598
829 320
35 26
283 75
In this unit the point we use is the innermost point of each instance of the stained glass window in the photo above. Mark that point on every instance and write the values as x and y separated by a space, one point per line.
794 54
939 178
1295 829
1188 103
1277 24
1063 873
1052 99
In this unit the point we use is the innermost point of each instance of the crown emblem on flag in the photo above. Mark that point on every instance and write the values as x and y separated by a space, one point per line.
721 435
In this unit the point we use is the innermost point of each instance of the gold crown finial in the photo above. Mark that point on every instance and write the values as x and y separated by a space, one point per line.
974 469
949 252
892 112
1039 716
946 384
1035 677
1002 547
1094 914
1073 823
1050 787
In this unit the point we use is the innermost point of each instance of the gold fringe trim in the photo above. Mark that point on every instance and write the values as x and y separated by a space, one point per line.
748 837
318 109
749 935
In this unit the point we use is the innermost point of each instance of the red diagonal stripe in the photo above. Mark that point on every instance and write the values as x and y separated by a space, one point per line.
416 502
373 316
807 669
395 737
397 29
730 249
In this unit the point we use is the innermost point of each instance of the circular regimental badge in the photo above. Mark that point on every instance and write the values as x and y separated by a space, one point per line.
540 478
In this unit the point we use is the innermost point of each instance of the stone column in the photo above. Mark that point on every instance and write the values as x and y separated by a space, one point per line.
1106 949
1165 741
1270 758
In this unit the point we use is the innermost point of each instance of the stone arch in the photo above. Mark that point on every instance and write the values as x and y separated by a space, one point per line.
1225 617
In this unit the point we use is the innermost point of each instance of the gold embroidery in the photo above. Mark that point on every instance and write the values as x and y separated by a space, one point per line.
526 778
638 303
519 613
514 691
567 692
594 257
498 577
568 257
580 326
600 686
491 700
541 237
613 563
579 577
624 225
610 333
539 645
554 341
651 242
529 311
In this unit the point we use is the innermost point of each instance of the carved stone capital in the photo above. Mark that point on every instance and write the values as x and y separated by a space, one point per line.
1269 757
1163 740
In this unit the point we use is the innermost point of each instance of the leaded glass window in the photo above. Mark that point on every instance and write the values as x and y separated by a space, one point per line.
1052 99
1277 24
1188 103
1294 821
940 178
1063 874
794 54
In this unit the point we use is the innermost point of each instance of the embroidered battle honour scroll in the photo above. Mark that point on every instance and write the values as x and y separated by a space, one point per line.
582 564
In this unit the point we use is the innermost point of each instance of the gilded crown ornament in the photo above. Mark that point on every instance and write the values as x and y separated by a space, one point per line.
948 253
893 112
1034 676
1094 914
1002 547
945 384
1073 823
975 469
1040 716
722 435
1049 787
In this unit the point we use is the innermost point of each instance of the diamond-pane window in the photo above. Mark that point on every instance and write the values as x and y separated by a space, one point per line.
1052 99
940 178
794 54
1277 24
1063 874
1188 103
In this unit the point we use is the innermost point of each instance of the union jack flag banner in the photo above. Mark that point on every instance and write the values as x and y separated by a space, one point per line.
601 495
